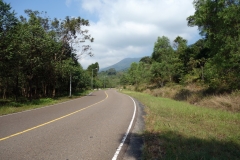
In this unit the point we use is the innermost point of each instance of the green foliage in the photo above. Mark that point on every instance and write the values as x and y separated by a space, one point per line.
180 45
8 106
124 79
106 80
111 71
161 48
156 73
146 59
93 70
213 60
38 55
177 130
7 18
219 21
167 64
137 74
133 74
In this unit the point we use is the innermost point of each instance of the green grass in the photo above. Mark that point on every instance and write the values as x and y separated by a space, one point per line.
178 130
8 106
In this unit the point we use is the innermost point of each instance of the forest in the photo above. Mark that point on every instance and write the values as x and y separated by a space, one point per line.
213 61
39 55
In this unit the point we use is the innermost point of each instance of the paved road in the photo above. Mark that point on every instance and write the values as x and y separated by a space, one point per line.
90 127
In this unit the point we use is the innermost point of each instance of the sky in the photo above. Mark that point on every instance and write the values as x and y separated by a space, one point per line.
120 28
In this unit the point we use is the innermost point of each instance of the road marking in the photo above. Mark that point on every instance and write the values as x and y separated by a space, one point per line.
41 107
126 134
38 126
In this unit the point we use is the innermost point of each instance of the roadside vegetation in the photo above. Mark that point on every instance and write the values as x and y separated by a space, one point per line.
195 94
201 118
39 59
10 106
39 55
179 130
212 62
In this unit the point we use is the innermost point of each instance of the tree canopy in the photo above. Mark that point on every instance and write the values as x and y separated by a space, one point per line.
213 60
218 21
38 54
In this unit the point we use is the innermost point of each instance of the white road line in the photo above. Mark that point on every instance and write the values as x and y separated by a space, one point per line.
126 134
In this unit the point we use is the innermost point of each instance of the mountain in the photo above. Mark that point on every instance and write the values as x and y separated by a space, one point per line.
122 65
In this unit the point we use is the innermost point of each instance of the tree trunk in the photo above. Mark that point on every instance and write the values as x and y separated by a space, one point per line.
45 90
202 73
4 93
54 92
16 89
30 90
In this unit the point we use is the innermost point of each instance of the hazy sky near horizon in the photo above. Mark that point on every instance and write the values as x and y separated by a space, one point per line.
120 28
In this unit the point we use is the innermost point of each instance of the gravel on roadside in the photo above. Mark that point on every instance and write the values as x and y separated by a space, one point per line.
134 149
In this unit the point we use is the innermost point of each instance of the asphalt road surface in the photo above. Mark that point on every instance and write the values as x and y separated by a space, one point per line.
91 127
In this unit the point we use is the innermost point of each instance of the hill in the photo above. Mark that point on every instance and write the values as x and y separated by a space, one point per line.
122 65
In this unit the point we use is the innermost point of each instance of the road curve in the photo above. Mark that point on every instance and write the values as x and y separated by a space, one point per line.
90 127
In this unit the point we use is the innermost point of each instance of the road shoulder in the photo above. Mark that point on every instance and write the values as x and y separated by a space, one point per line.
134 149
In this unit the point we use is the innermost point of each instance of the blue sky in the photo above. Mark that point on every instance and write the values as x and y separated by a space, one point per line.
121 28
54 8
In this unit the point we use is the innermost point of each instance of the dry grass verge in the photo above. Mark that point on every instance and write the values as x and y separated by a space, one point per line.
224 102
179 130
196 94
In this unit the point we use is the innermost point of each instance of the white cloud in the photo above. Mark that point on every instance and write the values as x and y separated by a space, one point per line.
129 28
92 5
68 3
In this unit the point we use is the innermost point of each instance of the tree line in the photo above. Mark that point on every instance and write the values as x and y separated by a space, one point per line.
104 79
39 55
213 60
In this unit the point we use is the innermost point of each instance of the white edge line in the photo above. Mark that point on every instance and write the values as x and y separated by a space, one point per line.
126 134
44 106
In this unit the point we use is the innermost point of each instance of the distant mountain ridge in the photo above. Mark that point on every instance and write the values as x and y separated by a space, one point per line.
122 65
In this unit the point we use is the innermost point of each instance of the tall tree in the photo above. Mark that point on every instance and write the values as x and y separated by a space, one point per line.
93 72
8 22
219 22
163 53
111 71
93 68
74 35
161 47
156 74
182 57
133 74
7 18
146 60
38 55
